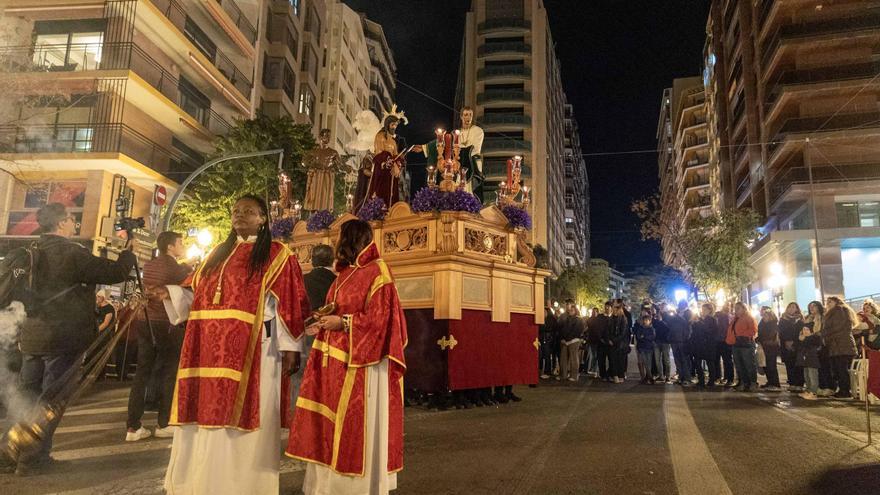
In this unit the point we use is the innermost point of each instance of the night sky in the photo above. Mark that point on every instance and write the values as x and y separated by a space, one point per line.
617 56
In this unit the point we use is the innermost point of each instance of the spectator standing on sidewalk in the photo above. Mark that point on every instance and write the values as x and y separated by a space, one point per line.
837 331
619 337
158 350
547 339
602 328
595 326
741 336
645 334
662 346
571 332
703 346
809 342
790 324
679 335
725 350
768 338
55 333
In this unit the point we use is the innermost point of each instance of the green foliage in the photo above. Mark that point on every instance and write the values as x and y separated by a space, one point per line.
210 197
587 285
718 252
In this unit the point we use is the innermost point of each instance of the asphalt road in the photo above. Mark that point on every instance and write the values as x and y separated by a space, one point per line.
586 437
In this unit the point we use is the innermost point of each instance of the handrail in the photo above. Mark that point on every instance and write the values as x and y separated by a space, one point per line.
243 23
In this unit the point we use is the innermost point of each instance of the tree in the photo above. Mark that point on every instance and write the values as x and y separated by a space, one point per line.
210 197
713 251
656 283
586 285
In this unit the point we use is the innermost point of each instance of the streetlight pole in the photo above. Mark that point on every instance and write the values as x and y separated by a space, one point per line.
166 220
815 227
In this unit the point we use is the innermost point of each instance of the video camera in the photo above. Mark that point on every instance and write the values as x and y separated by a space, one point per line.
128 224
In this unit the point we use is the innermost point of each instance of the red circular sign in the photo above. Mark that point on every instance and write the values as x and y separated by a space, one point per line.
160 195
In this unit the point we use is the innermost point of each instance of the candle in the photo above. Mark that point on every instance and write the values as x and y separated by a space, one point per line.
457 136
447 152
509 171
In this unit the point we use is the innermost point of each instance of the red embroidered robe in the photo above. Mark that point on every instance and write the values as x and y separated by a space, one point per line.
329 424
218 381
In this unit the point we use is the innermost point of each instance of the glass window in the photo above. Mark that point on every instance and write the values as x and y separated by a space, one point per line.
306 100
272 72
869 214
847 214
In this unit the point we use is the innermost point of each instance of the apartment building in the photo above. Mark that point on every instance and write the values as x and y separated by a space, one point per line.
577 196
683 160
510 75
794 88
345 81
383 73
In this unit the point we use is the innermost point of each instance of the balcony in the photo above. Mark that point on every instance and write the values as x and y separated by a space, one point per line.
110 56
504 95
696 163
700 202
96 138
515 47
822 174
242 22
833 28
498 144
806 77
175 13
823 123
511 24
502 120
743 189
514 72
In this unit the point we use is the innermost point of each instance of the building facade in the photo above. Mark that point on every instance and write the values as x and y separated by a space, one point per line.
683 160
124 98
577 196
510 75
383 73
793 88
345 81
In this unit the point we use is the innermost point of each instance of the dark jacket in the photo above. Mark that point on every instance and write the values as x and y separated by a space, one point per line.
790 328
808 348
618 332
679 329
703 343
837 333
547 330
768 334
645 337
723 320
570 327
597 326
66 275
662 330
318 282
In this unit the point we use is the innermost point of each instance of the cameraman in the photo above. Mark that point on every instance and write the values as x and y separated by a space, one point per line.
161 348
62 326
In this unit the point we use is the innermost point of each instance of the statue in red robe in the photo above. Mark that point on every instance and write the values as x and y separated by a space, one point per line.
388 162
345 434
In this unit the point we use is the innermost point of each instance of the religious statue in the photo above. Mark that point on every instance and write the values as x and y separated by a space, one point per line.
388 161
470 139
323 163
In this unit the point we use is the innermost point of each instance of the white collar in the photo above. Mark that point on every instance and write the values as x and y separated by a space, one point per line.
250 238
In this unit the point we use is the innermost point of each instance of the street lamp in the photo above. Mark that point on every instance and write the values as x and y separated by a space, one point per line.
776 282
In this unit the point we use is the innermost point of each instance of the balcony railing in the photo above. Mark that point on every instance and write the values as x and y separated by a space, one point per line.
504 95
696 163
244 25
868 20
509 119
510 46
822 174
502 24
96 138
111 56
743 188
505 144
177 15
509 72
846 72
824 123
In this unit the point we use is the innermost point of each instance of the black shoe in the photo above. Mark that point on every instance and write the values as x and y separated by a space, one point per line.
514 398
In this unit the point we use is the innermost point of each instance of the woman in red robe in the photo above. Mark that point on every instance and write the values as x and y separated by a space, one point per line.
348 421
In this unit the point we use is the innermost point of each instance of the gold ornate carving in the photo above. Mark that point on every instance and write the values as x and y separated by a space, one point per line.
304 253
485 242
447 343
447 242
524 252
400 241
536 343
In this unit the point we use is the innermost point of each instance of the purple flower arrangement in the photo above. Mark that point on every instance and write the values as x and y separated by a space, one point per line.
428 200
320 220
282 228
374 209
517 217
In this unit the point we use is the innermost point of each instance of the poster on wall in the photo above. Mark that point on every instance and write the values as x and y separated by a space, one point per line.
71 194
25 223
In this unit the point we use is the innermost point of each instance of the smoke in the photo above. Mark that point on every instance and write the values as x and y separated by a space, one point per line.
12 400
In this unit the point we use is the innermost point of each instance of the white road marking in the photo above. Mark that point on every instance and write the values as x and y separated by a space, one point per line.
90 427
98 410
696 472
111 450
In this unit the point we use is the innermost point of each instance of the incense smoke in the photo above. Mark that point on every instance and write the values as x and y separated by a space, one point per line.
11 398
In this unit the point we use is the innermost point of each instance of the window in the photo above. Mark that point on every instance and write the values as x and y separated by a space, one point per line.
306 100
310 63
294 4
288 82
68 45
272 72
313 24
858 214
198 38
194 102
